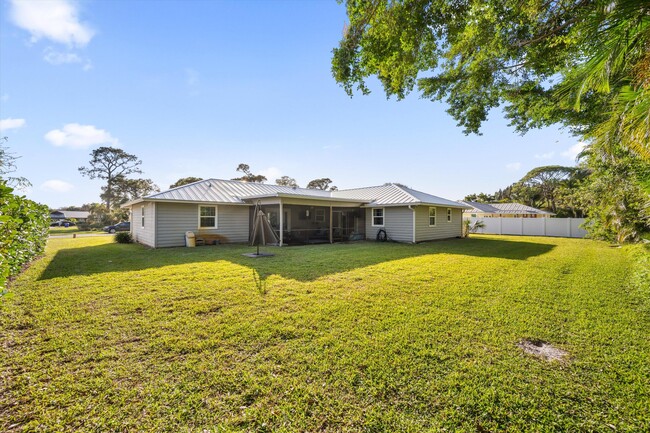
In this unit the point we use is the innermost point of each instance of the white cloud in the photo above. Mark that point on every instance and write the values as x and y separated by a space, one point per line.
572 152
55 185
10 123
54 57
59 58
513 166
271 173
547 155
56 20
79 136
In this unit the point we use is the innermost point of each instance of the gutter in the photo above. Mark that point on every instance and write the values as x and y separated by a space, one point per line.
413 209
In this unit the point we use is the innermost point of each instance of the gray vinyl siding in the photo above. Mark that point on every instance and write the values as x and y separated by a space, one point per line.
143 235
443 228
174 219
398 223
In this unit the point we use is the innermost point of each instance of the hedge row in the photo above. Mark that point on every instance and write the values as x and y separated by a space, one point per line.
24 228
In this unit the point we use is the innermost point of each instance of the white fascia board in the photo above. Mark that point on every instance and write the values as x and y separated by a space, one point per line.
198 202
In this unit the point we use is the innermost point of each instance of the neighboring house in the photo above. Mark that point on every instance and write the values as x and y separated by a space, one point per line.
80 216
504 210
223 209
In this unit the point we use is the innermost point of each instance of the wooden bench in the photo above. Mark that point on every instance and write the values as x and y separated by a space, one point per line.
210 239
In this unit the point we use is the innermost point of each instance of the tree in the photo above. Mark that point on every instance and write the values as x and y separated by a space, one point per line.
322 183
582 63
185 181
99 215
109 163
8 165
248 175
617 195
547 180
287 181
480 198
124 189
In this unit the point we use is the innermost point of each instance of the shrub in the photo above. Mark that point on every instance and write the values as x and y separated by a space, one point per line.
468 227
24 227
123 238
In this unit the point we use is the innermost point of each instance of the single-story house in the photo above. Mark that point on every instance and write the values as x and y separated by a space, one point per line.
223 209
502 210
80 216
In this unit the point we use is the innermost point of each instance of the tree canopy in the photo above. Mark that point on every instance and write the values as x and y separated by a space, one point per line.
185 181
584 64
8 165
547 180
321 183
248 175
124 189
108 163
287 181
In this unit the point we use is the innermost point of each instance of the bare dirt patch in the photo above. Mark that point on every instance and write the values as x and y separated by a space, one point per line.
543 350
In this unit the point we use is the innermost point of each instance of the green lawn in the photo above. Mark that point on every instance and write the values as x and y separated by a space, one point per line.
366 337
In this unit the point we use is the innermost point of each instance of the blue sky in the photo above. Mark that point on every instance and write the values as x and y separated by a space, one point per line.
194 87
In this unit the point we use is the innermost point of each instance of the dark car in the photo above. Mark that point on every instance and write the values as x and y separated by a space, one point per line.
119 227
62 223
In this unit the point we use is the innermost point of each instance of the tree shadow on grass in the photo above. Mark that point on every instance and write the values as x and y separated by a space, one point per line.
304 263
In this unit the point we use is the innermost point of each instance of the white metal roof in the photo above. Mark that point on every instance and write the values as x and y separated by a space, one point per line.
394 195
510 208
237 192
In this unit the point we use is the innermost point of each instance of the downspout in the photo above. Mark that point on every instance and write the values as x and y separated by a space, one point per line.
413 209
281 223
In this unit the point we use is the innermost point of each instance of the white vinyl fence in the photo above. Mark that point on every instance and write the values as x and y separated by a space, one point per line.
559 227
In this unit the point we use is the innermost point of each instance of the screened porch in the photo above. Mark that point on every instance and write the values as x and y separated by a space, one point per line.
303 224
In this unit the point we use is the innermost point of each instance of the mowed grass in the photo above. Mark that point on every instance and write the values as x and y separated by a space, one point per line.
57 231
366 337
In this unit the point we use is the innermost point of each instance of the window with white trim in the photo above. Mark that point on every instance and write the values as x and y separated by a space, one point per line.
432 217
208 217
142 215
448 215
378 217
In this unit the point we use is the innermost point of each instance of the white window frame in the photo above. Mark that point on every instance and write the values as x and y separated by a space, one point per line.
434 216
142 216
216 217
383 216
449 217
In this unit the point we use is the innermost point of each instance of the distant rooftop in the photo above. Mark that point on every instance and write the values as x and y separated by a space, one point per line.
76 214
503 208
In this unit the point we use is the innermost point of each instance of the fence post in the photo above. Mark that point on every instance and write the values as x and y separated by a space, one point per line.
500 225
521 225
569 222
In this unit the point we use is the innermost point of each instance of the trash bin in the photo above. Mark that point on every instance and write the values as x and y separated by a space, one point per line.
190 239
